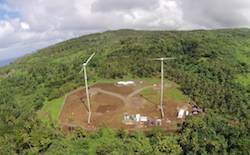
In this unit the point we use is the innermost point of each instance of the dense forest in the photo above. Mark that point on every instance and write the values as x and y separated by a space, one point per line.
212 68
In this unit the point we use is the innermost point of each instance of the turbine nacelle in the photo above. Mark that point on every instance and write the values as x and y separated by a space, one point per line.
162 59
86 63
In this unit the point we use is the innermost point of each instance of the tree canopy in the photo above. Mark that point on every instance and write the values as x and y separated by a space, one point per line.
207 68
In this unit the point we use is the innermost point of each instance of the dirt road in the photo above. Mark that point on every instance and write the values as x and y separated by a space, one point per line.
125 99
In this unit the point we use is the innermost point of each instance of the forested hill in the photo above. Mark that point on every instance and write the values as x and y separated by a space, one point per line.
212 67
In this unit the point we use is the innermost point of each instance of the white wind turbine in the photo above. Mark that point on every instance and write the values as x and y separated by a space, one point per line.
162 82
84 65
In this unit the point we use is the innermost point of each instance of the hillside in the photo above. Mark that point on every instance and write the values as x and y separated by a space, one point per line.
212 68
6 62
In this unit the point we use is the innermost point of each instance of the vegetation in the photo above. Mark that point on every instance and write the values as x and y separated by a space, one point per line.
207 68
51 110
243 79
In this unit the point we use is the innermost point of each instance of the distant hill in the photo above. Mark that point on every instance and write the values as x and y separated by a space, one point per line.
230 46
6 62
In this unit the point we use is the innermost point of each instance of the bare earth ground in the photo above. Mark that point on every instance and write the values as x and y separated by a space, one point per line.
109 102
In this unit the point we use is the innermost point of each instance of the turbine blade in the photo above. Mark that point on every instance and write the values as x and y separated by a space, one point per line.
169 58
89 58
81 70
155 59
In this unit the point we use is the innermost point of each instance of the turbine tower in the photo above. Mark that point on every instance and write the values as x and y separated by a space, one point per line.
84 65
162 82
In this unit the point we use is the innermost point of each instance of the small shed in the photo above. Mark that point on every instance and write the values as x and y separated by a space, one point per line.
137 117
125 83
143 118
181 113
126 117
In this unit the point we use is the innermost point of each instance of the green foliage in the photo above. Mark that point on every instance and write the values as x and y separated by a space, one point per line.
243 79
209 69
167 145
20 131
197 138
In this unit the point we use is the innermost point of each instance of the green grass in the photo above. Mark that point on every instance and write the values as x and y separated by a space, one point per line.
171 92
102 81
151 80
176 95
51 110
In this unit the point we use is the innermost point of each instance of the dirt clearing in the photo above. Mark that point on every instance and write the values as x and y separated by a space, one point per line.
108 104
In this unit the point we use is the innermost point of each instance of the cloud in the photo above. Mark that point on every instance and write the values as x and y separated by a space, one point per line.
27 25
123 5
5 29
216 13
166 16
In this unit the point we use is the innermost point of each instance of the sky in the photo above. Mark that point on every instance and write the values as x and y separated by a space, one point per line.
27 25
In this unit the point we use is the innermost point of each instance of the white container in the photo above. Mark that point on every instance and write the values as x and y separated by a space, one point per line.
137 117
143 118
125 83
181 113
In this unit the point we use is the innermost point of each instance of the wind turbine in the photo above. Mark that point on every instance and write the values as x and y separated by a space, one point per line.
162 82
84 65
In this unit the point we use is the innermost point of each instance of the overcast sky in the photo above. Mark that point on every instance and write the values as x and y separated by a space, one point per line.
27 25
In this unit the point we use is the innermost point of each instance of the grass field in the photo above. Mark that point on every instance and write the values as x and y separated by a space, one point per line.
171 92
176 95
51 110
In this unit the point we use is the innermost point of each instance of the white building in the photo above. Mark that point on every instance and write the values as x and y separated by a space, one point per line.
125 83
181 113
137 117
143 118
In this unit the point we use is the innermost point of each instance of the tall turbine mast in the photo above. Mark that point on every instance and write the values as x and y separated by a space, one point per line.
162 82
84 65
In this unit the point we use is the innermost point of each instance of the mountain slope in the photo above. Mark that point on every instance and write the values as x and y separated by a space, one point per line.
219 56
212 68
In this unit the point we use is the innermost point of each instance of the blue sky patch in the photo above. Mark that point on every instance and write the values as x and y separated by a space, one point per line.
6 14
